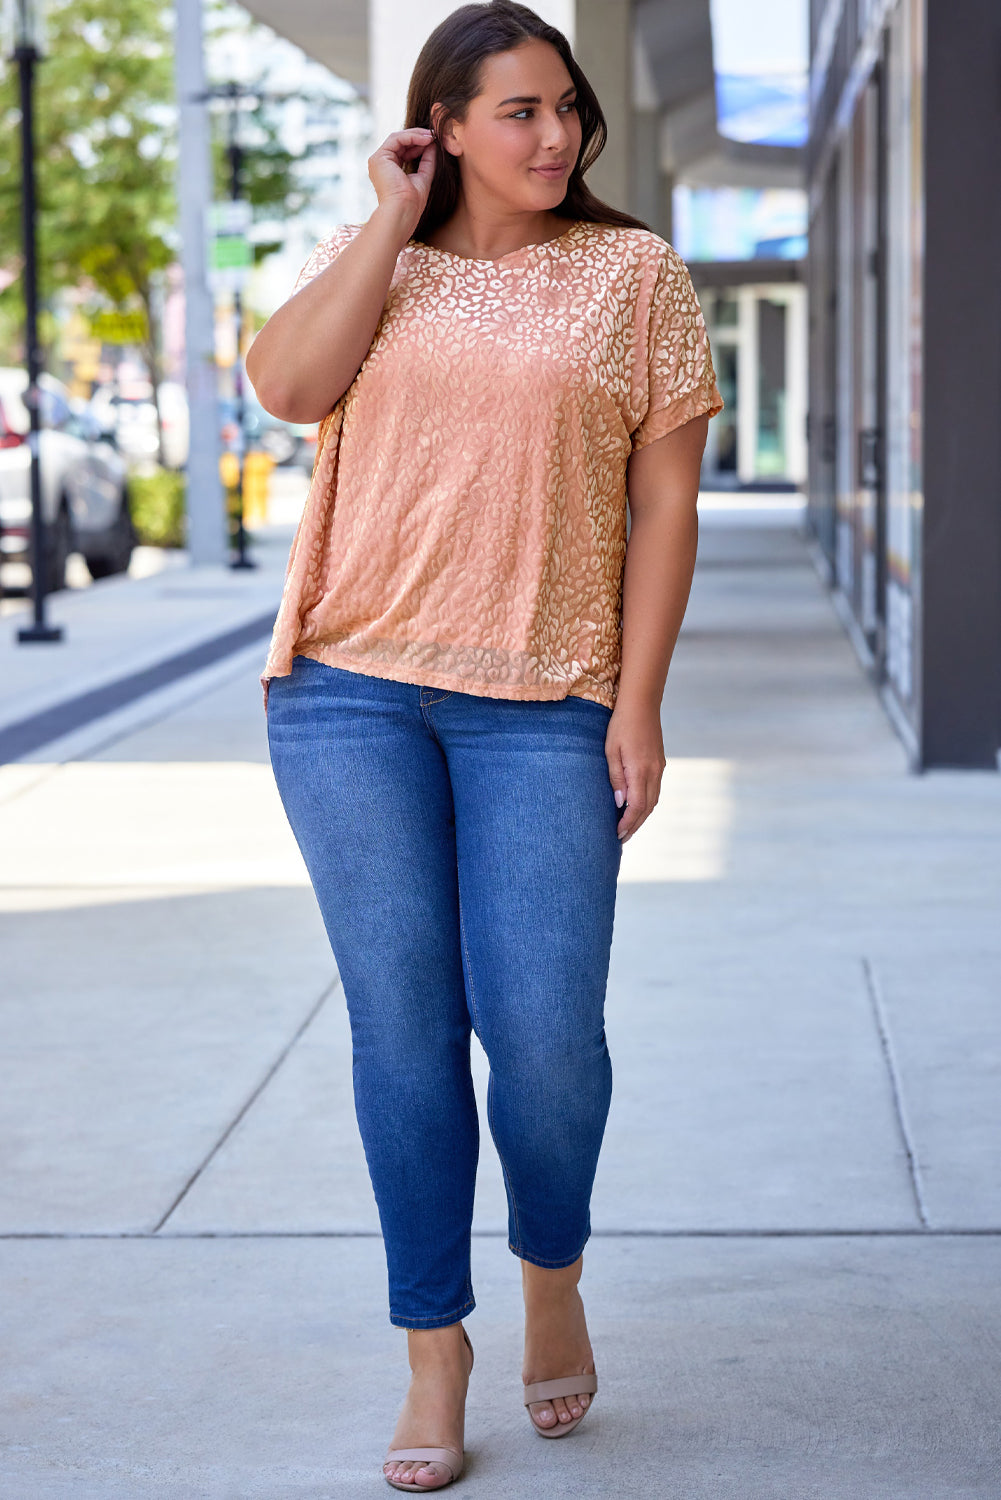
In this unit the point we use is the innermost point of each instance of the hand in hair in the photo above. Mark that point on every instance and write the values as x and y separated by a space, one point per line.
399 191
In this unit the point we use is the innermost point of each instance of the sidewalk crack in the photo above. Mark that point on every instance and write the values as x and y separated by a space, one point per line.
249 1102
896 1090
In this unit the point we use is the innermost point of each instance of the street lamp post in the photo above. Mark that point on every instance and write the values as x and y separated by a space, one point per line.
231 223
235 154
23 38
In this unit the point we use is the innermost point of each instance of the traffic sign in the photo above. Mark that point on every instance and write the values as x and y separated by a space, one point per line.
113 327
230 255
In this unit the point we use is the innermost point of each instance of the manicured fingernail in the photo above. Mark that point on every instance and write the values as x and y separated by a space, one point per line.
620 796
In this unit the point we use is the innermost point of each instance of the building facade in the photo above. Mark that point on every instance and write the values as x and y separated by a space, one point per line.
904 437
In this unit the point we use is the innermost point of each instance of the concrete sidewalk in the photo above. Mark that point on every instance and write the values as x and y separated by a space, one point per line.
793 1280
130 635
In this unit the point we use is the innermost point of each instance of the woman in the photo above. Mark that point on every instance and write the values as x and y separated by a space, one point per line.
463 689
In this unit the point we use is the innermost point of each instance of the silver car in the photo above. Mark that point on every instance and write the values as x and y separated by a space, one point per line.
128 412
85 499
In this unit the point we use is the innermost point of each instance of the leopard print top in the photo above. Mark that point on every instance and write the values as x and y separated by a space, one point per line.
465 526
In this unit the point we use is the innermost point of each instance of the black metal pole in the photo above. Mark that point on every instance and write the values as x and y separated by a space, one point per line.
235 163
38 631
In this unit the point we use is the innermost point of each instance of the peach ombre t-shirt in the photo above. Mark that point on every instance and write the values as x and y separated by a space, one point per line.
465 526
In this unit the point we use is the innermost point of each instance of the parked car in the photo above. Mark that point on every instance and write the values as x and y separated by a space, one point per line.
85 500
127 414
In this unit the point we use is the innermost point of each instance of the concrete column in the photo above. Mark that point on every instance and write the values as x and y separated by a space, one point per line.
664 224
652 189
747 384
604 49
644 193
796 335
960 648
208 541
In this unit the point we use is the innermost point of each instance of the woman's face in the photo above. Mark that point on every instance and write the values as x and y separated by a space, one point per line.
523 118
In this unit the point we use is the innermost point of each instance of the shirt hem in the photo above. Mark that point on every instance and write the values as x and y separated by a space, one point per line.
517 691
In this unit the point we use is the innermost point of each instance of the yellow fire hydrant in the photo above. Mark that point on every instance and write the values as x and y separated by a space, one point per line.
256 483
256 476
229 470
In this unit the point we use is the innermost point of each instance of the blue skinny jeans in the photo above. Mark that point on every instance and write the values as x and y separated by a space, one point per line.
464 855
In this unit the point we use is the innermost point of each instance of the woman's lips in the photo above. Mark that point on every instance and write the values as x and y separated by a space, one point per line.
556 171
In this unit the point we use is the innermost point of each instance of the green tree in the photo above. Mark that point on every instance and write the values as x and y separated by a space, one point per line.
105 158
106 162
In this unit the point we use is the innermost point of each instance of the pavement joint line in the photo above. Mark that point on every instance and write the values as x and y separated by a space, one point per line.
44 772
912 1233
251 1099
896 1089
24 736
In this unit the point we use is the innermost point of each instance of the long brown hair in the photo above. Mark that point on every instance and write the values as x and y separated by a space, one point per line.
447 71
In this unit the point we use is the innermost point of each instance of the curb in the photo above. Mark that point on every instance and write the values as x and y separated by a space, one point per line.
24 736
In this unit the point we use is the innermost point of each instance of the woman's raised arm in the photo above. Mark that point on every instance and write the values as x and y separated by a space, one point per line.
309 351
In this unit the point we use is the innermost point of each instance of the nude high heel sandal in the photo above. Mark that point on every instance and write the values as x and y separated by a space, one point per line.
452 1458
565 1385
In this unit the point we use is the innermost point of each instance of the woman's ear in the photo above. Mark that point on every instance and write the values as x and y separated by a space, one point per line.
444 129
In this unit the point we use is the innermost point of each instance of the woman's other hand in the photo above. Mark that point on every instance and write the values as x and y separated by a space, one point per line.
663 489
634 749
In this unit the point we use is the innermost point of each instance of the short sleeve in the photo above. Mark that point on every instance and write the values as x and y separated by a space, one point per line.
325 253
675 367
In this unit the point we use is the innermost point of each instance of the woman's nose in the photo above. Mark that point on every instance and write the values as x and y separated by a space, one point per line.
555 133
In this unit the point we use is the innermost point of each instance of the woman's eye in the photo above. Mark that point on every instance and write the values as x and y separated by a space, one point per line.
571 104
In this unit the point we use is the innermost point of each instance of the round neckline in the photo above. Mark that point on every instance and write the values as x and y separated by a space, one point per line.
472 260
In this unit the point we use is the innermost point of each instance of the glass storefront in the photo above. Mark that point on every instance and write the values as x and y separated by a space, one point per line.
865 277
758 337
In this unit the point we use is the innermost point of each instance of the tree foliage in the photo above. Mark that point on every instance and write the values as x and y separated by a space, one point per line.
105 152
106 162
